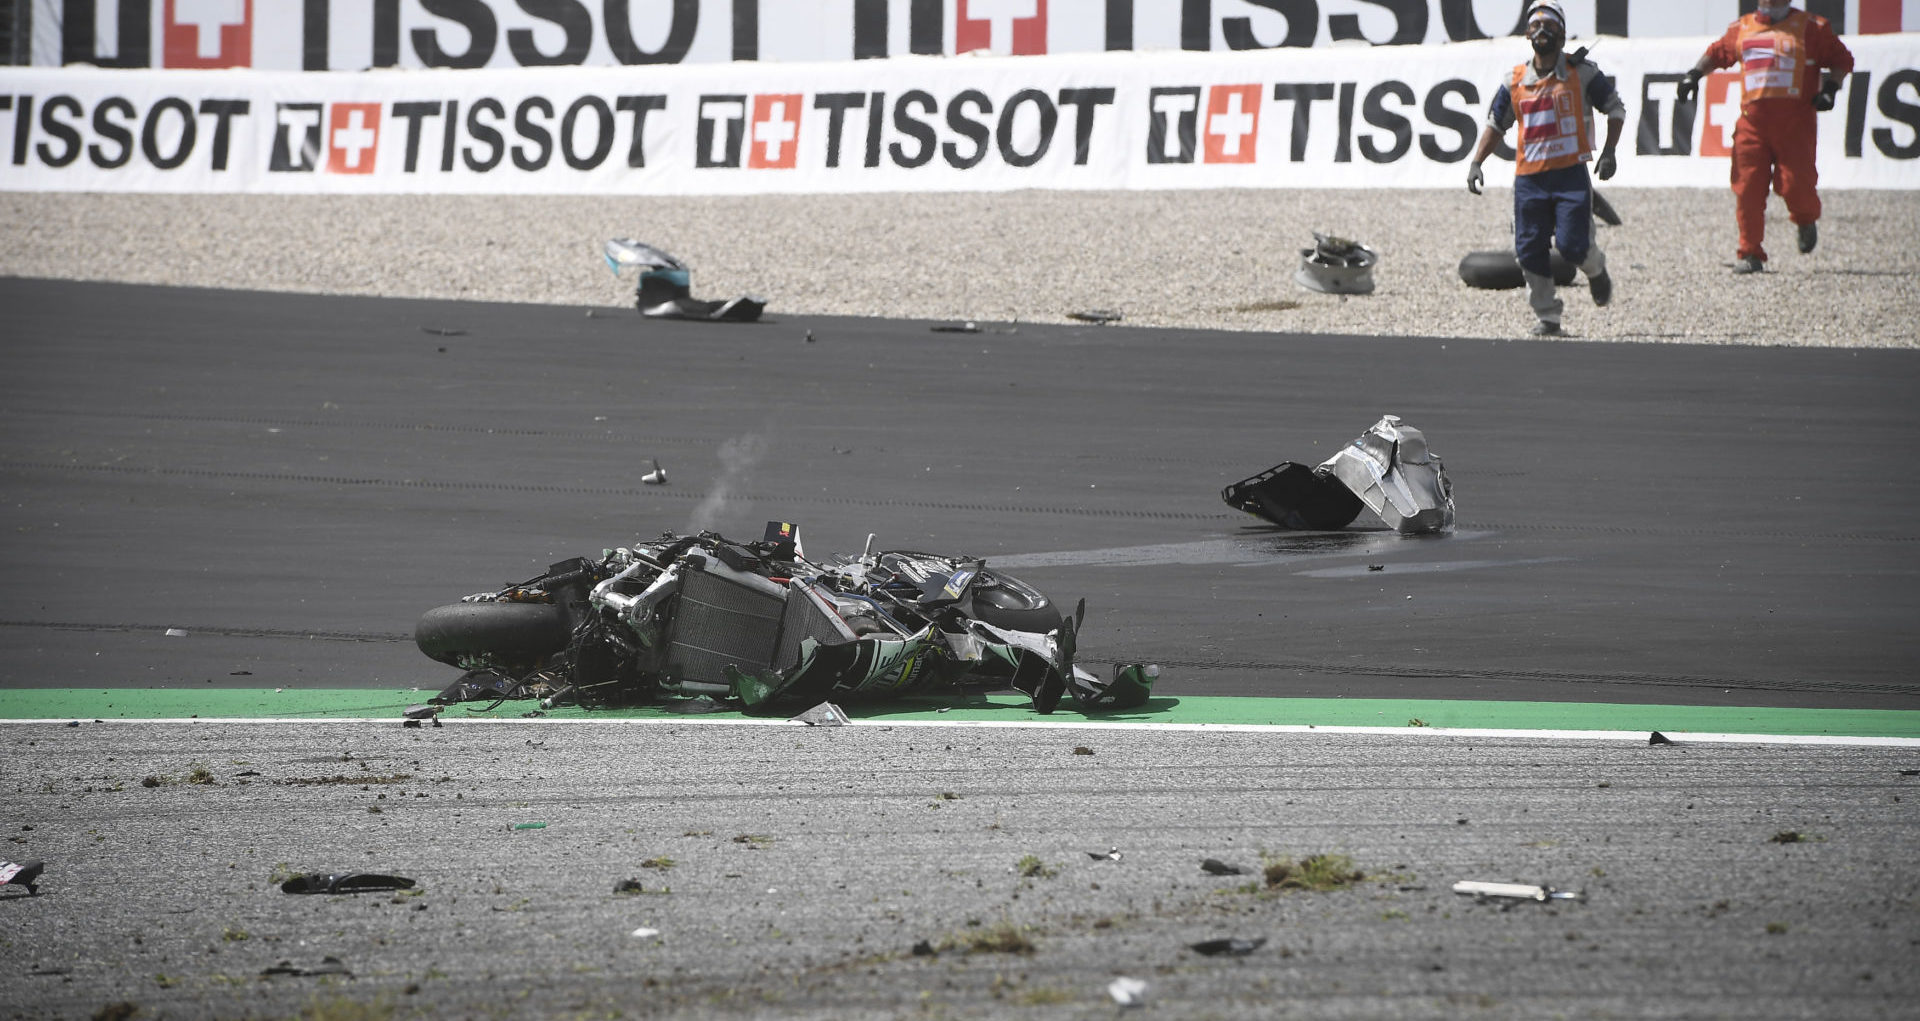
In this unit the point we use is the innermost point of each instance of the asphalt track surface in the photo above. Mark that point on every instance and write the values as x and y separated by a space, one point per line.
290 480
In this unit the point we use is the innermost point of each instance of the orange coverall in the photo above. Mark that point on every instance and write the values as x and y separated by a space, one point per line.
1773 141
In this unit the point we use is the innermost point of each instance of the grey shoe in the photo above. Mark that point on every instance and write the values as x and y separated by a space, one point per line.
1809 236
1545 329
1601 287
1750 264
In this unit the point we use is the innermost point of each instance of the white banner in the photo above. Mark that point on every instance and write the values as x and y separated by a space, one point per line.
1366 118
353 35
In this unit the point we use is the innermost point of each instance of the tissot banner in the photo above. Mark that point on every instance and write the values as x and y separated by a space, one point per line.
1363 118
353 35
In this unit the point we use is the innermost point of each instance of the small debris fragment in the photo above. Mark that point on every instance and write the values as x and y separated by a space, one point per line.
174 632
526 826
355 882
441 331
826 714
809 336
924 949
1792 837
1102 316
656 477
327 966
1216 867
1082 750
423 711
1127 992
1516 891
645 933
1659 738
967 327
1376 567
1230 946
1111 854
629 886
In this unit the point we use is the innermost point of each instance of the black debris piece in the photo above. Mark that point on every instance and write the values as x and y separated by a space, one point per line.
664 291
1387 469
967 327
1658 738
1231 946
328 965
1216 867
24 875
1111 854
1102 316
924 949
423 711
355 882
629 886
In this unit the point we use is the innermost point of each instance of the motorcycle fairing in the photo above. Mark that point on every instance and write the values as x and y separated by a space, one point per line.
1390 468
1293 495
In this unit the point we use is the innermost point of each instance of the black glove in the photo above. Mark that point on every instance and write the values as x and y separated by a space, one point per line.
1688 86
1475 178
1604 167
1829 88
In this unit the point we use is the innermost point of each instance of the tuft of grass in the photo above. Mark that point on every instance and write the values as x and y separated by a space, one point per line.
1031 867
1776 928
1317 872
753 840
233 934
200 775
1001 938
1416 722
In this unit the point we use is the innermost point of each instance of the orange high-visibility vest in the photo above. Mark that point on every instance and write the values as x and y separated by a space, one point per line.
1552 116
1772 57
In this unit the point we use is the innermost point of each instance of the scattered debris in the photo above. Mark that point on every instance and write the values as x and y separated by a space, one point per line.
1388 469
1376 567
174 632
328 966
656 477
1127 992
1515 891
424 711
1230 946
663 291
1336 265
1102 316
1111 854
1082 750
629 886
967 327
354 882
23 874
826 714
1216 867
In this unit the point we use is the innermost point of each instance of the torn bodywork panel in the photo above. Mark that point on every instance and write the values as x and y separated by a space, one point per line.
1387 469
665 290
761 627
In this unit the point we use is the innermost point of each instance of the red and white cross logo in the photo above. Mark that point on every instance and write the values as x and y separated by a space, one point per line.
774 141
1233 123
207 33
1001 26
353 137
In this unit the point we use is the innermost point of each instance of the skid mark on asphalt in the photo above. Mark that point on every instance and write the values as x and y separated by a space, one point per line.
1261 550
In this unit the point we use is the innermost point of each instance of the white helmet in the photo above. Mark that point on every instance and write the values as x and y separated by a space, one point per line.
1551 8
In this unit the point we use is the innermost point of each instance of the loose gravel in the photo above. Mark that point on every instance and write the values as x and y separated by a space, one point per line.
1192 259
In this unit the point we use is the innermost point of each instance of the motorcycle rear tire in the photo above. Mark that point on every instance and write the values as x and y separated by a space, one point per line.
514 632
1007 602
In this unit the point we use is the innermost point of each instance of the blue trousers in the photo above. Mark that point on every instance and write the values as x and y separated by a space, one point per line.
1552 207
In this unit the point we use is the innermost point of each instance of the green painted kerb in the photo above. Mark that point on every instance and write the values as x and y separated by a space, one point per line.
325 703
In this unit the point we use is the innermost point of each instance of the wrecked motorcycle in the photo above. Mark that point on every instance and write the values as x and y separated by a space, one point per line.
1388 469
760 626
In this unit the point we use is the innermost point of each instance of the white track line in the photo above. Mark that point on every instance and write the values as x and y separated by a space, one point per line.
1678 737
